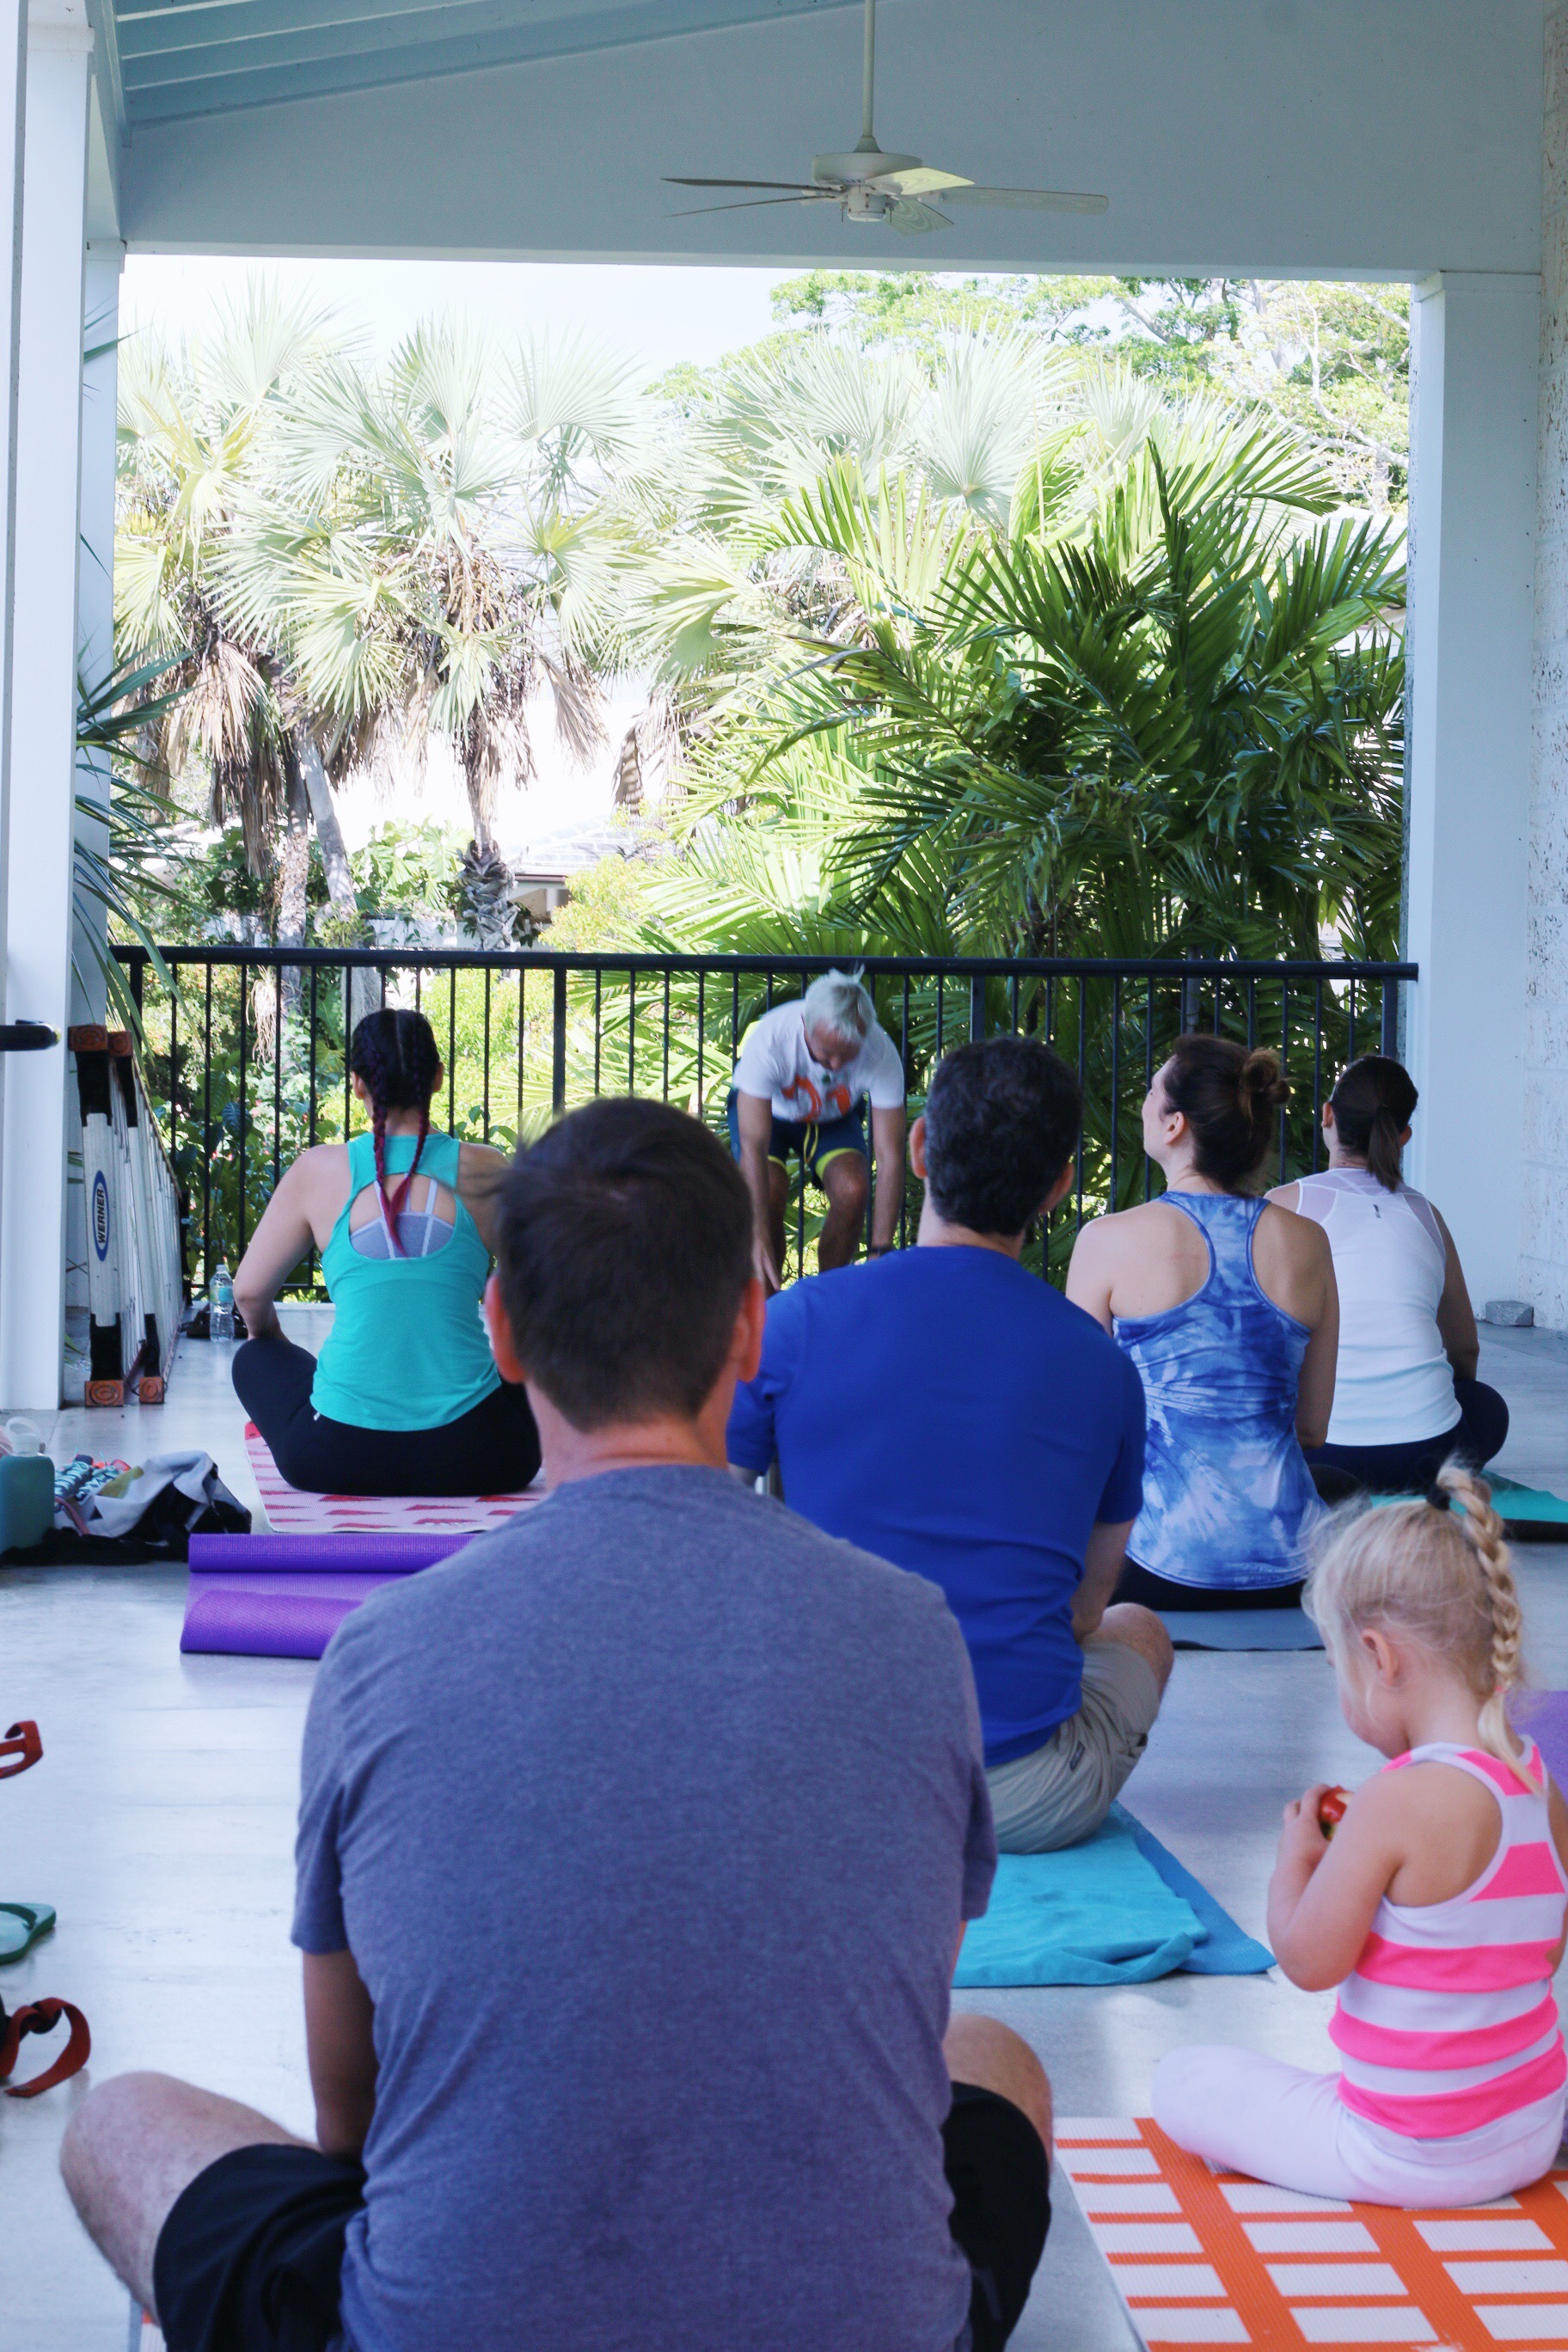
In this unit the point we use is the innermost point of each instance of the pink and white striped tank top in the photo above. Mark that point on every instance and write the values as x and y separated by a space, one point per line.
1447 2020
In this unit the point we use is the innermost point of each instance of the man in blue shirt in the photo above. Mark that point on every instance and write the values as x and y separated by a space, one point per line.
952 1414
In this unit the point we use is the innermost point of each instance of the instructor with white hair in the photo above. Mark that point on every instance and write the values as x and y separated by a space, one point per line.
802 1081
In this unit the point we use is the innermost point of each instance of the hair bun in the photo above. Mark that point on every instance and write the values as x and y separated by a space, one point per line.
1263 1086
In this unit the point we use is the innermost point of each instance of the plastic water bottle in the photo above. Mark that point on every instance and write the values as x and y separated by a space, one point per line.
26 1489
220 1304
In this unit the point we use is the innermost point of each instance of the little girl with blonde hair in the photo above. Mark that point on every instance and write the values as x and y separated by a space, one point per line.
1438 1908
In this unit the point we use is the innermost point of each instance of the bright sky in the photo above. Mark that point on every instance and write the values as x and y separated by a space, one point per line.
651 316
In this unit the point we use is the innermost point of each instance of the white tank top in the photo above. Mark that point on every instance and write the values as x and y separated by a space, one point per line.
1394 1385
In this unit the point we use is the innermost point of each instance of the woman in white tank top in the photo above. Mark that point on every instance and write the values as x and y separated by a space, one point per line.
1405 1394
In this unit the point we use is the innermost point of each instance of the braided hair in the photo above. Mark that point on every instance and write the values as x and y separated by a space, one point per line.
396 1056
1439 1572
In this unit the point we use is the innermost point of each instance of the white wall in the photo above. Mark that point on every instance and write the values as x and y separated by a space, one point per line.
1472 555
37 865
95 582
1362 136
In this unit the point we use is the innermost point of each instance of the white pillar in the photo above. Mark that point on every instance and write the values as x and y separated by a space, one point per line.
1543 1268
95 591
43 703
13 82
1475 341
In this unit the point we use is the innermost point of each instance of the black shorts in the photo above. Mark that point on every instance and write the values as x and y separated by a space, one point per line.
249 2260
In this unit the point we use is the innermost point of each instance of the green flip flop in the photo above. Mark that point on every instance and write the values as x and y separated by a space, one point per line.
23 1925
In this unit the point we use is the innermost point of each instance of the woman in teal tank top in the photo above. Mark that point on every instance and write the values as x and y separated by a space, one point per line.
406 1398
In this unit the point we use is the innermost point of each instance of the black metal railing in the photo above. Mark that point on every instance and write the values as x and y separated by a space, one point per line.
246 1060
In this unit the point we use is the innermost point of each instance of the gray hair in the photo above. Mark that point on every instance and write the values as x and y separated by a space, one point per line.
838 1003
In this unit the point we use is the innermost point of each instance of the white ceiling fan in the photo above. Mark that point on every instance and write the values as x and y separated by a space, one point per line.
869 185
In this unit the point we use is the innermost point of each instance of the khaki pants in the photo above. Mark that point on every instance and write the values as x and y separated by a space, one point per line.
1059 1794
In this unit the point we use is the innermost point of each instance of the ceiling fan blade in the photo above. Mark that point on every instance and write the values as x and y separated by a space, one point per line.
751 204
1032 200
912 218
804 187
920 181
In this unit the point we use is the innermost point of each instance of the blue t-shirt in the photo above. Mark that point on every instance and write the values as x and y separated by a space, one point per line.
649 1821
955 1414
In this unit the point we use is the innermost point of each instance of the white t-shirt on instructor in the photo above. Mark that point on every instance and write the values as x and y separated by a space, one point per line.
777 1061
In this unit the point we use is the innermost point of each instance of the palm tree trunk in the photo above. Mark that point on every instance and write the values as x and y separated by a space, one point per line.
329 832
293 873
361 992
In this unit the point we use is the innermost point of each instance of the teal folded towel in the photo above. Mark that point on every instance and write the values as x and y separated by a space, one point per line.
1105 1912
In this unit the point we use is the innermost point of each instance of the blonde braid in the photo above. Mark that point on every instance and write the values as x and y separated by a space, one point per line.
1482 1531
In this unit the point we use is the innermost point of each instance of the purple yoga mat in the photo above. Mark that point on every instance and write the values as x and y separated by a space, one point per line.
256 1614
1542 1716
339 1551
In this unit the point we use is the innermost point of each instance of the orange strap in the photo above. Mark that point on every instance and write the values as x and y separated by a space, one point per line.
42 2017
22 1740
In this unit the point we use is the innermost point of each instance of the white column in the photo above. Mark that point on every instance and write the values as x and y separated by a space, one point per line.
13 80
95 589
1472 577
1543 1269
43 702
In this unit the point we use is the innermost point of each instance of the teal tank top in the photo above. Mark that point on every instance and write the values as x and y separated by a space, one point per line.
407 1350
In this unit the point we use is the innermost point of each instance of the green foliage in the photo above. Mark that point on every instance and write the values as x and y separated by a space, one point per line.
1331 359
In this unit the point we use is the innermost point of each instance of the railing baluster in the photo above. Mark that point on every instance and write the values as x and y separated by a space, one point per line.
1284 1071
277 1075
452 1051
1147 1069
486 1052
632 1030
207 1138
1082 1064
310 1261
244 1121
558 1042
664 1093
1317 1070
701 977
1114 1200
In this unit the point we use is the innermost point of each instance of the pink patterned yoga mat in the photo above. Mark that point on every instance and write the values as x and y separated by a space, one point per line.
290 1511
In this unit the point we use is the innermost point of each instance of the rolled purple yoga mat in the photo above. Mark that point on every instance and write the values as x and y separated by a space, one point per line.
276 1624
395 1552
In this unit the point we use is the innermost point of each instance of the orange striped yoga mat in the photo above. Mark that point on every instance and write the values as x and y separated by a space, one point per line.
1203 2259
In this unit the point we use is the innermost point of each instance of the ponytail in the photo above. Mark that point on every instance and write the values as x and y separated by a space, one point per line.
1439 1572
1373 1104
1229 1098
396 1056
1482 1531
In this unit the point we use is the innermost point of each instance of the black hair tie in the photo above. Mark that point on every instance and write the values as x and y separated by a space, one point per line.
1438 1497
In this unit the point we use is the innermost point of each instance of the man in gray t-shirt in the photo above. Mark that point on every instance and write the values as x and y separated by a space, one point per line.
635 1845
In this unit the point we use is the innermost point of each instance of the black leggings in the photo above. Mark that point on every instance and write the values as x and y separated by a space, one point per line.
493 1450
1139 1583
1480 1432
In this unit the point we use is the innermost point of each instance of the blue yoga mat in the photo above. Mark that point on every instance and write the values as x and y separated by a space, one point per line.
1118 1909
1226 1950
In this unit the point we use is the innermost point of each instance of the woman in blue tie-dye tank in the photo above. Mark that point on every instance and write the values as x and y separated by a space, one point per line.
1228 1307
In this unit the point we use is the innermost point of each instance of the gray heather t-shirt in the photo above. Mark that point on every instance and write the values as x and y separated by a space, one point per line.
649 1821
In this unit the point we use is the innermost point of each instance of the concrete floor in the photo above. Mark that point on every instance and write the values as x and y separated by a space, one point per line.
160 1823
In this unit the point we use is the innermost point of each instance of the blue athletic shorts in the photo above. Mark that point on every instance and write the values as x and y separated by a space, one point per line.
815 1142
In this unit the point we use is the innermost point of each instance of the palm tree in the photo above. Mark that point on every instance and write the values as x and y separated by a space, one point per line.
191 421
1157 708
427 546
